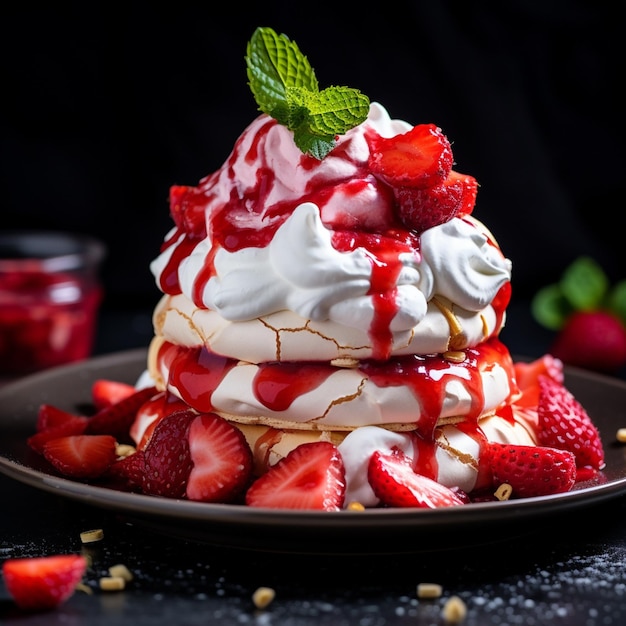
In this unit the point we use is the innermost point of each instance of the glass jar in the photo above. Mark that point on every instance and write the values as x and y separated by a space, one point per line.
50 294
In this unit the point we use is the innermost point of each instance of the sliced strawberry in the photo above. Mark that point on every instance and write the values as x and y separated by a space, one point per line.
117 418
395 483
564 424
166 456
43 583
74 425
470 191
105 392
128 472
311 476
532 470
527 377
81 456
222 460
419 158
49 416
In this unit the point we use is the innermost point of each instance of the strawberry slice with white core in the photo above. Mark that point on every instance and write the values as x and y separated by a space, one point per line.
105 392
419 158
221 457
81 456
311 476
42 583
396 484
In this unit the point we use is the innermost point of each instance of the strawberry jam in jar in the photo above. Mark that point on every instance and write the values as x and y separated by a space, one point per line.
49 299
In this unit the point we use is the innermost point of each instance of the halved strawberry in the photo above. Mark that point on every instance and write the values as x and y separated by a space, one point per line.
166 457
117 418
527 377
532 470
222 460
49 416
565 424
128 472
105 392
42 583
81 456
73 425
421 209
395 483
419 158
311 476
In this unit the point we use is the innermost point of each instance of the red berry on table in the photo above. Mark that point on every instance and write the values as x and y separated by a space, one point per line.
593 340
311 476
42 583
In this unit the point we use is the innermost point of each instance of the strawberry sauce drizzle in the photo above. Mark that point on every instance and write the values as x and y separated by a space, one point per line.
196 373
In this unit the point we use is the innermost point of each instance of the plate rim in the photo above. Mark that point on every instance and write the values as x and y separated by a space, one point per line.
236 517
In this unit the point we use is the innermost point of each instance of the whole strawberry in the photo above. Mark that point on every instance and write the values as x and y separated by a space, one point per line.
592 339
587 314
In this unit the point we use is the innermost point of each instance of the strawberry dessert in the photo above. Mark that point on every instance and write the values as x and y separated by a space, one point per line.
328 335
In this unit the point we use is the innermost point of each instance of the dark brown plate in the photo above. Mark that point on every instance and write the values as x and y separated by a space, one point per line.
375 531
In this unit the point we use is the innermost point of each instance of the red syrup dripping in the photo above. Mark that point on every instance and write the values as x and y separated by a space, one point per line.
425 460
195 373
278 385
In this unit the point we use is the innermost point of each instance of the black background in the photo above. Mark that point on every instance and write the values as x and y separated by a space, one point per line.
104 108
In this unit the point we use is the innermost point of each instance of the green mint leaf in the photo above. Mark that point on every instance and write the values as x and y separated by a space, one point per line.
550 308
273 64
285 87
616 300
584 284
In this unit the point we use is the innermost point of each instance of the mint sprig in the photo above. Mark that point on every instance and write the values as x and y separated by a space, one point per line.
285 87
583 287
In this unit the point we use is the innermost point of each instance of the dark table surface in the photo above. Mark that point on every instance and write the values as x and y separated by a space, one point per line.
567 569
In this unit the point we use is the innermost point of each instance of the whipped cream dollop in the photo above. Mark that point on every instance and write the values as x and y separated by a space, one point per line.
301 267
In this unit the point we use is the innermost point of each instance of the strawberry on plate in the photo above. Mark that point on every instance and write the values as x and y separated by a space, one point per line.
105 392
73 425
419 158
532 470
564 424
311 476
116 419
42 583
166 458
81 456
396 484
221 457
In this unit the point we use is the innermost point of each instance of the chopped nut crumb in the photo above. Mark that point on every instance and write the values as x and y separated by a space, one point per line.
621 435
355 506
454 610
429 590
84 588
121 571
112 583
503 492
345 361
89 536
455 356
123 450
263 596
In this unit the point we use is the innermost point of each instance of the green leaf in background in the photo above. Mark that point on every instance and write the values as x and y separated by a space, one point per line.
617 300
285 87
550 307
584 284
